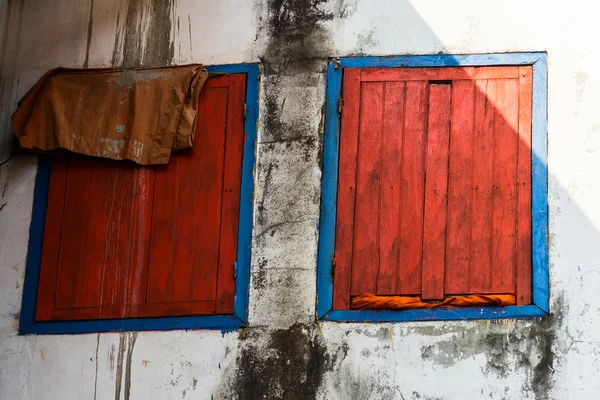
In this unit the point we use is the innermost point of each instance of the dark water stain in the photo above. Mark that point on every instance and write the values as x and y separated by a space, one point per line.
178 37
126 347
190 32
268 182
89 35
298 41
111 359
297 44
259 278
130 346
294 56
117 44
156 47
120 357
528 346
290 365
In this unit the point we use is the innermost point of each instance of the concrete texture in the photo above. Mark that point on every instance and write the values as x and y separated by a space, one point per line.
284 353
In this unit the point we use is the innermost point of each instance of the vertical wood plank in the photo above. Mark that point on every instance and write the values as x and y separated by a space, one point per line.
163 232
391 174
346 193
52 240
524 259
366 223
73 236
185 219
102 257
213 119
458 234
118 241
483 164
232 178
436 186
413 188
134 285
94 252
504 189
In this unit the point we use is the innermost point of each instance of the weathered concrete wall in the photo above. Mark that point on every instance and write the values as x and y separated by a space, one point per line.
284 353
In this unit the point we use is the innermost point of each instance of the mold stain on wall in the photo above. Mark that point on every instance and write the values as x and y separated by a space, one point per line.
527 347
289 364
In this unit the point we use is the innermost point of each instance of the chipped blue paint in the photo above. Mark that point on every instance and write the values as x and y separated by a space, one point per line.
225 323
539 185
539 189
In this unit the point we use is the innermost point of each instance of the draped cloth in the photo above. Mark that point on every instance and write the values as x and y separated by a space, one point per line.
141 115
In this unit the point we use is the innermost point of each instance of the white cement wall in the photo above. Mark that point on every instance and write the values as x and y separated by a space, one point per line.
284 354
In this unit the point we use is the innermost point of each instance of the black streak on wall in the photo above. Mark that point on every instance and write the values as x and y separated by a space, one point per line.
290 367
297 44
126 346
89 35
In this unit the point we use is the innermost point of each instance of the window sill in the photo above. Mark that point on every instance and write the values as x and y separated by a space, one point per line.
225 323
435 314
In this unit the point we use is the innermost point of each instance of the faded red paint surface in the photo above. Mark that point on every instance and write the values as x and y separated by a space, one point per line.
124 241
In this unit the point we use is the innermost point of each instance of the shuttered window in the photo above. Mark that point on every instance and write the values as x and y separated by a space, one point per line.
123 241
434 183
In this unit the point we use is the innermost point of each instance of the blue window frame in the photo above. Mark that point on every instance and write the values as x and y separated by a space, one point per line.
540 306
223 322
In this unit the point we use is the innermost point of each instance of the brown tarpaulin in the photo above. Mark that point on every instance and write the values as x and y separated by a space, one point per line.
138 114
369 301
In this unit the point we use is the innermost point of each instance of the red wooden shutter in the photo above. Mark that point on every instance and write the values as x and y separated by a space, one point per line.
434 189
122 241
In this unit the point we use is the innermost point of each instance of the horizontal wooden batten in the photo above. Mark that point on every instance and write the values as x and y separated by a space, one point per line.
438 74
